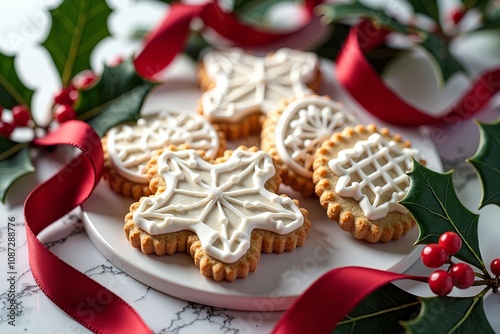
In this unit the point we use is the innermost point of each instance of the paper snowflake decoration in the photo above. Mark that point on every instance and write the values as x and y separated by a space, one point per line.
373 172
221 203
246 84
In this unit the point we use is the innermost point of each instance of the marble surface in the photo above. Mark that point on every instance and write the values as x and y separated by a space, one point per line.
35 313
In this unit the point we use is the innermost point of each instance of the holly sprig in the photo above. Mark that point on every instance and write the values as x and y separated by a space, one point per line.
449 231
103 100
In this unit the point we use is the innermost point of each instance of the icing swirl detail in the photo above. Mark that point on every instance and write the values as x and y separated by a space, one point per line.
245 84
373 173
221 203
303 126
130 146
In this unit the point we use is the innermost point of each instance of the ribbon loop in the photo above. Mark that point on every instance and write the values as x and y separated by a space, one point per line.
94 306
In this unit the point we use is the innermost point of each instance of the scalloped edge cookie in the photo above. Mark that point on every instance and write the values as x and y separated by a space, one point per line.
345 210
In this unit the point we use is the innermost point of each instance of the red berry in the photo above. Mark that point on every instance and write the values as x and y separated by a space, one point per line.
66 96
495 267
440 282
456 15
433 256
64 113
21 115
84 80
462 275
6 129
450 242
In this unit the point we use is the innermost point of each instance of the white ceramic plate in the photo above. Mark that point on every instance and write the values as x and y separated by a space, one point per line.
280 278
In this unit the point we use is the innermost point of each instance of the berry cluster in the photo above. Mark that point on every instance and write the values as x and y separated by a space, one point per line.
460 275
21 117
66 97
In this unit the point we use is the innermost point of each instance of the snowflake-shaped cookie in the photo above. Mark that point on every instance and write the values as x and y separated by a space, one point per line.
302 127
373 172
222 203
246 84
130 146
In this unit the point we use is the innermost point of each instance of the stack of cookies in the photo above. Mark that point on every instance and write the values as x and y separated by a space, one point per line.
223 207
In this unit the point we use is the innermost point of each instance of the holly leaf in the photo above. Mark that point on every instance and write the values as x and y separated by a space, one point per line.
382 309
434 204
117 97
445 65
77 27
450 314
15 161
486 162
428 8
12 91
335 12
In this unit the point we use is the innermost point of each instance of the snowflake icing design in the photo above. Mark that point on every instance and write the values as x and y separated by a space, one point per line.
303 126
245 84
130 146
373 172
221 203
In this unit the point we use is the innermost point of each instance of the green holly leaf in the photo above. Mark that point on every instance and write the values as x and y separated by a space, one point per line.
445 65
12 91
450 314
486 162
77 27
429 8
335 12
117 97
15 161
434 204
382 310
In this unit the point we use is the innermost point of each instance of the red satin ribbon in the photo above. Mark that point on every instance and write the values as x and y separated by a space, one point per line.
357 75
330 298
169 37
82 298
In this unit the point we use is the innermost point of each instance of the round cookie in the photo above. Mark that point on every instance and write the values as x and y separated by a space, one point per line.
360 177
240 88
128 148
223 212
292 133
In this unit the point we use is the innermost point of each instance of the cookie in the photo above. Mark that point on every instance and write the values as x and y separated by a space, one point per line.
239 88
128 148
223 212
360 177
292 132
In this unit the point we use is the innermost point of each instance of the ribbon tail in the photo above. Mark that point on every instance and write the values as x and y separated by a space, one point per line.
91 304
167 40
330 298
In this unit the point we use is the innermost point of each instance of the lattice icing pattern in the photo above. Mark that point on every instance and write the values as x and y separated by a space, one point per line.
130 146
304 125
222 203
245 84
373 173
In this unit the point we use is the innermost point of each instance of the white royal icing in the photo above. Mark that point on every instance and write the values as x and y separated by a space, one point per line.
373 173
303 126
245 84
221 203
130 146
